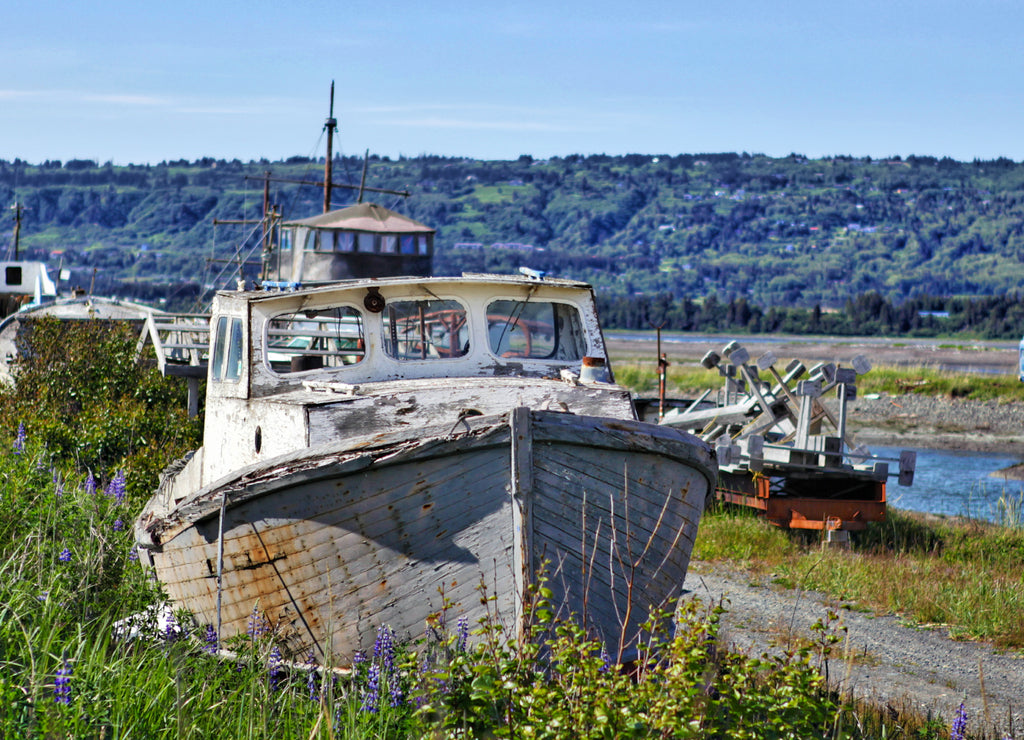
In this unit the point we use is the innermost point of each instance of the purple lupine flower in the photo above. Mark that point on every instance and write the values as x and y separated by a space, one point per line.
19 440
133 555
463 634
311 677
371 694
90 485
65 556
275 669
210 642
62 683
171 628
959 724
607 664
258 624
118 525
116 489
357 660
384 648
395 691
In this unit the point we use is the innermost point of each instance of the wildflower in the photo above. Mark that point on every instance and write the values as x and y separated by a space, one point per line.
62 683
395 692
133 555
311 677
118 525
90 485
959 724
210 642
384 648
275 668
371 694
357 660
116 489
19 440
171 628
607 661
258 624
463 632
65 556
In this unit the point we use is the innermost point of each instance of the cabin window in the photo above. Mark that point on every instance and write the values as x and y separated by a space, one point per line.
312 240
364 242
218 347
423 243
388 244
408 244
326 243
344 241
12 275
228 349
286 240
536 329
425 330
315 338
233 368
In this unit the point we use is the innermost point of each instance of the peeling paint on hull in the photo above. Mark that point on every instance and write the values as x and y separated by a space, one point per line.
334 543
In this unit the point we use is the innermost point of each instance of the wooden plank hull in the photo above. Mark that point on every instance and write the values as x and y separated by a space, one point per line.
332 547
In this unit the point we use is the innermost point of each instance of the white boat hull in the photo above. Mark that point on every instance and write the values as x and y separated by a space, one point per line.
392 529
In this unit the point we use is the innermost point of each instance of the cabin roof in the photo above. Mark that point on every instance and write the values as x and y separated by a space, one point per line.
466 280
364 217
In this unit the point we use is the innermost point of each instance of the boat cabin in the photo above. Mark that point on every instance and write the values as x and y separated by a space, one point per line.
23 281
361 241
292 370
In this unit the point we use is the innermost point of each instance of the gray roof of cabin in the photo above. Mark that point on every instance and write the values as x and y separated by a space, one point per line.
364 217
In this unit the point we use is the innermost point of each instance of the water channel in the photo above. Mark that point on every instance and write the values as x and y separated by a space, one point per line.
954 483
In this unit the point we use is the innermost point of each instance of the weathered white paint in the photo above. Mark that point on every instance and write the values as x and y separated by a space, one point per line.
377 485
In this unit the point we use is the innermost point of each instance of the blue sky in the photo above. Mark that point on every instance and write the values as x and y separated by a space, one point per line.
144 81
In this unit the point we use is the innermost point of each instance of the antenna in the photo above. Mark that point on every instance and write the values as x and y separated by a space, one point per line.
329 126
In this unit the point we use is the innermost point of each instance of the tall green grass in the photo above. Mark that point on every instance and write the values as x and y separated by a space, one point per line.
690 379
966 575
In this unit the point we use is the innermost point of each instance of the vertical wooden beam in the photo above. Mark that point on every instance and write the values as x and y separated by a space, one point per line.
329 126
522 508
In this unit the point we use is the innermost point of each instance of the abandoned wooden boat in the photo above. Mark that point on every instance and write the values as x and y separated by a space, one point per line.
782 451
377 449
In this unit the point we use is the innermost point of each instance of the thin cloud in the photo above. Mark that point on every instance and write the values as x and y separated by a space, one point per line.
466 124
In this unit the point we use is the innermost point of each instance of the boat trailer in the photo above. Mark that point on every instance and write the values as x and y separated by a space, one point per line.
782 450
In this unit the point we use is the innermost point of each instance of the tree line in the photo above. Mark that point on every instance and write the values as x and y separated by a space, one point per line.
869 314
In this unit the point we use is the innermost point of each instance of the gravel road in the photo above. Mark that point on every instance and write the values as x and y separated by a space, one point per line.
883 659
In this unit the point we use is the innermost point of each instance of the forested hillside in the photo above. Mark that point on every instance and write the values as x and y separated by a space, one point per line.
775 232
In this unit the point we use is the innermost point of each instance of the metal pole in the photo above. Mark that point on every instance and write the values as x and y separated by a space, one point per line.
220 560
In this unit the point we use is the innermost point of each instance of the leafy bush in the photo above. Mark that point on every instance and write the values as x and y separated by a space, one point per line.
81 392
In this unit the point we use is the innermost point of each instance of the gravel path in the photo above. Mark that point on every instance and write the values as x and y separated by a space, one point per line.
887 662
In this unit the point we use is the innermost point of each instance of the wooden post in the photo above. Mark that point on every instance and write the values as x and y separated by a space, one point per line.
522 508
330 125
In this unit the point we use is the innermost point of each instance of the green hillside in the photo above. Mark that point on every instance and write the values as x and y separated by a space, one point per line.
782 232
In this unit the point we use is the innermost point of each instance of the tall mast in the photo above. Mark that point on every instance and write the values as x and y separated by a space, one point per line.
17 208
330 125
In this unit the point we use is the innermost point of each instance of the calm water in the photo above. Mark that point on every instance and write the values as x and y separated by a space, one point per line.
953 483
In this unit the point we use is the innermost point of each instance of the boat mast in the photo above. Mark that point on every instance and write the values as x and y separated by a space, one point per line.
18 208
330 125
